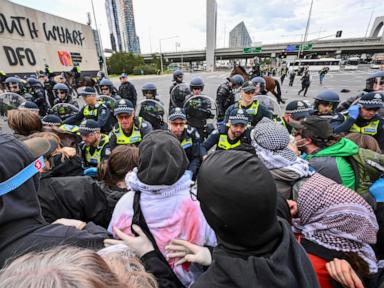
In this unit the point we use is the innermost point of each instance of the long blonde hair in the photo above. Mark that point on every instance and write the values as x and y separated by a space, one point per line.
61 267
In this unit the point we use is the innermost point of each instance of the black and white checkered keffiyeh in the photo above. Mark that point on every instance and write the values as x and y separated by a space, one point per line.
337 218
270 141
267 136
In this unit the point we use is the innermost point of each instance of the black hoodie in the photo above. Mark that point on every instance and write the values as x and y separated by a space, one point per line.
238 198
22 226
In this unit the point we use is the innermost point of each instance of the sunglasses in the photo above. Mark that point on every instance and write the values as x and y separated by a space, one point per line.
60 92
104 88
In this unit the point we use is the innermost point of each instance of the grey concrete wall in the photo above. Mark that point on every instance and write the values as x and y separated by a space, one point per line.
30 38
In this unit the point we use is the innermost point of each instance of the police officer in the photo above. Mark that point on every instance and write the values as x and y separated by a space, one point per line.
189 138
31 106
150 110
95 146
225 95
260 84
107 88
127 90
61 92
197 86
255 72
51 120
92 110
295 111
254 109
232 135
76 73
178 77
149 91
3 76
36 89
99 76
48 84
14 85
325 107
374 82
363 118
129 129
48 71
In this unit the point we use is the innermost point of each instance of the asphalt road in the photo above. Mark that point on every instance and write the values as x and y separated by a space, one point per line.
351 80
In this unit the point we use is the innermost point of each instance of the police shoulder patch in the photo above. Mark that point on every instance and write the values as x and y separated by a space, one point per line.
107 151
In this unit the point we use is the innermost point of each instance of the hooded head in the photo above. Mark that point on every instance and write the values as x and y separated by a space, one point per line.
20 203
162 159
238 197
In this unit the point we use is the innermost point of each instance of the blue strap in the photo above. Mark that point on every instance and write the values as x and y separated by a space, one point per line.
21 177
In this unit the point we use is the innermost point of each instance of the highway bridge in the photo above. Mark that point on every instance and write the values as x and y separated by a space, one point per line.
346 46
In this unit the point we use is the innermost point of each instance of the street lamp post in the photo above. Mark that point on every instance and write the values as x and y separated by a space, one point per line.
161 54
100 41
306 29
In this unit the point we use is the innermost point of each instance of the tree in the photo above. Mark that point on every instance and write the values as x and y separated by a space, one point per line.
123 62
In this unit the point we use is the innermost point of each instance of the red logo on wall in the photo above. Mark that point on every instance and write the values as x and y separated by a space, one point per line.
65 58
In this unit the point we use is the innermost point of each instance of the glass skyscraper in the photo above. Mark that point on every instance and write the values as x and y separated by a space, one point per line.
121 23
239 36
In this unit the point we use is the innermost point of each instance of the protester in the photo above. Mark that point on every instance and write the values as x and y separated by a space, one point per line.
335 222
75 267
292 75
325 151
162 201
255 248
62 161
271 143
305 83
84 198
364 141
24 123
22 226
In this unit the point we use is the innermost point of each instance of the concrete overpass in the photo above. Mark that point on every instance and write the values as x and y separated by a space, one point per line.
343 46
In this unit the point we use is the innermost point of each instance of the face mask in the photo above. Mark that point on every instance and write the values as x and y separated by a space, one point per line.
300 143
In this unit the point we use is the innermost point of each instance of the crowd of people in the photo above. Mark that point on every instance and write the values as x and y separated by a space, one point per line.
113 194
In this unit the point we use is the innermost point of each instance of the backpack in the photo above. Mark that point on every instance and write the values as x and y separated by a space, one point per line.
368 167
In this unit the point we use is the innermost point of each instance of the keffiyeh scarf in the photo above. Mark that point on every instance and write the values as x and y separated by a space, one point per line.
337 218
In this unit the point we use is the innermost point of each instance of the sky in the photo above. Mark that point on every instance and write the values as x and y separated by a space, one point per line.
268 21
